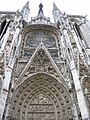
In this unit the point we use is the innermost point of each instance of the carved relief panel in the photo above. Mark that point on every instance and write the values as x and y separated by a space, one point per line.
40 108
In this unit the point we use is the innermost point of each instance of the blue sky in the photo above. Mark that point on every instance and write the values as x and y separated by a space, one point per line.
78 7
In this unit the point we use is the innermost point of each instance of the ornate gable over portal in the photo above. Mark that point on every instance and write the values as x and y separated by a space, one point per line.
41 62
41 92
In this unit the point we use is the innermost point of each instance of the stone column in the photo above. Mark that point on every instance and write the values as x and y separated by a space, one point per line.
77 40
78 87
79 92
4 92
74 108
8 73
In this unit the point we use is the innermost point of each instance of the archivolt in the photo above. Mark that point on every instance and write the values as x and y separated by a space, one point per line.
50 88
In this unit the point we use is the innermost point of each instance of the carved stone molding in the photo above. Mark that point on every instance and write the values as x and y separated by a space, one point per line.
29 92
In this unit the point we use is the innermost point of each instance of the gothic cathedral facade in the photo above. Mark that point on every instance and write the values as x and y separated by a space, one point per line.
44 66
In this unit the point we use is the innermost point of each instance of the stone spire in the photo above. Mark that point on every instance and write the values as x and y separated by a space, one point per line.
25 11
56 13
55 7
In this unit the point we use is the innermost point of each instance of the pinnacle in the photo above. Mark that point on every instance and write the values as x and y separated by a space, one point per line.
54 6
27 4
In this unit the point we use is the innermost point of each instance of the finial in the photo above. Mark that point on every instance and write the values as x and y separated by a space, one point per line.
40 9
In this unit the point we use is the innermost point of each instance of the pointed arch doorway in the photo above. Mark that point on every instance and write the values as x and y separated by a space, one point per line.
41 97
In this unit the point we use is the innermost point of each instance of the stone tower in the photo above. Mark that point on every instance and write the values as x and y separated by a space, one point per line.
44 66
